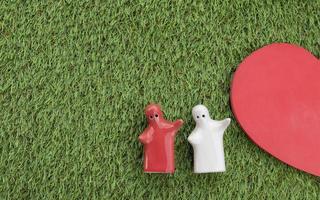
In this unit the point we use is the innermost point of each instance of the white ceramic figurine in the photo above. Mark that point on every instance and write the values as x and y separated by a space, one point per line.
207 141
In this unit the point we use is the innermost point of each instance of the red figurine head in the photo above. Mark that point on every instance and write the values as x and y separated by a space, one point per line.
153 113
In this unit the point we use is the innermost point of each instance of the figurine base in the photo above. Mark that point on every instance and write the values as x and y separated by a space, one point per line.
159 172
209 171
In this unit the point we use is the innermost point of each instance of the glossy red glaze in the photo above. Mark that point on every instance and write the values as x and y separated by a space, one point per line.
275 96
158 140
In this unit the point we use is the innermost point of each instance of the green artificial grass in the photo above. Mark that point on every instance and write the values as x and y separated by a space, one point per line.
75 77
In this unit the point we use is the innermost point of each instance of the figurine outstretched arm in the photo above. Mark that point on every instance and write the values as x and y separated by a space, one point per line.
222 124
173 126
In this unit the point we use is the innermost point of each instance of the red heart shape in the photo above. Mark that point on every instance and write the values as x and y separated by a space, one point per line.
275 96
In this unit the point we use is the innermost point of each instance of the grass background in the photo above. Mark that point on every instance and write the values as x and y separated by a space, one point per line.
75 77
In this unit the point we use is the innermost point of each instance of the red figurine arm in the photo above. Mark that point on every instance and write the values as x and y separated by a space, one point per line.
146 136
175 125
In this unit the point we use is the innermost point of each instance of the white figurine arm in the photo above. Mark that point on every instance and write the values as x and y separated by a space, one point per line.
226 123
194 138
221 125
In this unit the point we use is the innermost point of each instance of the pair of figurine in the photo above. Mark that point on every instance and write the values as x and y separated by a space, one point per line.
206 140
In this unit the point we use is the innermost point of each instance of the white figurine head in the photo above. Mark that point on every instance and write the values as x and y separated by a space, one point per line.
200 114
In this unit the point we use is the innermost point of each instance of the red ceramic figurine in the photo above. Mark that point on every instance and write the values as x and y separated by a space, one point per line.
158 140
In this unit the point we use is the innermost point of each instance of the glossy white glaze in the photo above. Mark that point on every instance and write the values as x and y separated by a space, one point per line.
207 141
